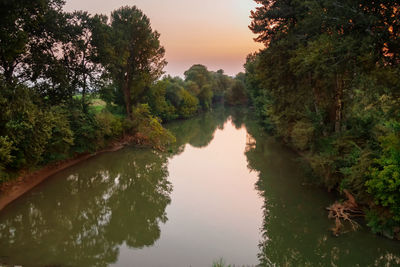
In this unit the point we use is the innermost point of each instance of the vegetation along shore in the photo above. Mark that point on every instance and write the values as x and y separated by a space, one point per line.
327 83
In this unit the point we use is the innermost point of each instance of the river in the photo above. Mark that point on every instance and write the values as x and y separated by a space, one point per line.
226 190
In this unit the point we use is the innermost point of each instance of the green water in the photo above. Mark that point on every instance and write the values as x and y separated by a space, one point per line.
225 190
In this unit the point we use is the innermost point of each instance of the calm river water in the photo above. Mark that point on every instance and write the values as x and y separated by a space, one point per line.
224 190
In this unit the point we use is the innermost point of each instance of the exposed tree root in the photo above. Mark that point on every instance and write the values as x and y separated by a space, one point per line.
343 212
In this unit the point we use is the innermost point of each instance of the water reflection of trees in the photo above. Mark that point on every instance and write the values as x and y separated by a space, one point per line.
295 226
113 199
199 131
98 207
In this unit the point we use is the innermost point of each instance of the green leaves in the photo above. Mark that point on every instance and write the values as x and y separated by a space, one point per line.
237 94
384 182
150 129
327 83
131 52
201 77
6 147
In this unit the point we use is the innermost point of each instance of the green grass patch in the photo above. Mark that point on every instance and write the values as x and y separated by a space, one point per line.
97 105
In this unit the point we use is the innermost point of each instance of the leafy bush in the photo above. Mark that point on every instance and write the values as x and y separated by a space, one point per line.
110 125
355 175
205 97
6 147
237 94
302 134
384 183
37 134
62 137
27 127
150 128
87 133
159 102
188 106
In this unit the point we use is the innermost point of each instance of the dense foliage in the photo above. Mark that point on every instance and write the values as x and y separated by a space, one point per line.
327 82
73 83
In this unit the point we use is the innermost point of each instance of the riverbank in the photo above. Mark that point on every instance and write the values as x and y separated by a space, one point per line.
134 206
150 134
28 180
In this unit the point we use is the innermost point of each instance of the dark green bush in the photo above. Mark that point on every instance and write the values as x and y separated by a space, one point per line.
62 137
111 126
87 132
188 105
384 182
6 147
28 127
150 128
302 135
237 94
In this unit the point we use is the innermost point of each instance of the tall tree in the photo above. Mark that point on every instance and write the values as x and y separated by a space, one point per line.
80 55
131 52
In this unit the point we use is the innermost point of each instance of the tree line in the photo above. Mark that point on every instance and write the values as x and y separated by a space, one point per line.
54 65
328 83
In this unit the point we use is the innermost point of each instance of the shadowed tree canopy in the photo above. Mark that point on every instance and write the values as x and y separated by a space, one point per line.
273 18
327 82
27 30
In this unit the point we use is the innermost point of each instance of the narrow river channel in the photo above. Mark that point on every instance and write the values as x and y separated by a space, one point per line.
224 190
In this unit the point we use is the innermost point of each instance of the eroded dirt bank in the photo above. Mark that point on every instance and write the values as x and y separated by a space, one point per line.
12 190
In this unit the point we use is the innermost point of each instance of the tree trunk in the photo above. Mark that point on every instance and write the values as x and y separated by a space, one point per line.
338 103
84 84
127 95
8 75
317 100
84 104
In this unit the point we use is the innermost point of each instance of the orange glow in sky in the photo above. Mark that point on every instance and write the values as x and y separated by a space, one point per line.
210 32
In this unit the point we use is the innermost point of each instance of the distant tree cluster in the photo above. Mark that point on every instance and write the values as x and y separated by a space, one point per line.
328 83
172 97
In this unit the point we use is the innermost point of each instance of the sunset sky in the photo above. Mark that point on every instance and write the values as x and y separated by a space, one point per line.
210 32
